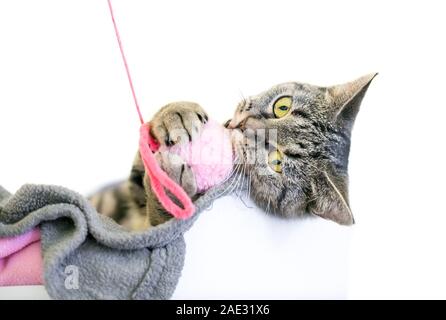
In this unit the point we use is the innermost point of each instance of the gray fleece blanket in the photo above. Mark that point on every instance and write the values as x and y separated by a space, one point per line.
108 261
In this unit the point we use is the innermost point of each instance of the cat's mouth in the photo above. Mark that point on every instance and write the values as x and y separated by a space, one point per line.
236 133
238 139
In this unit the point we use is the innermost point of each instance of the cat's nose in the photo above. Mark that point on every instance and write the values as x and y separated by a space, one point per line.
232 124
226 125
238 122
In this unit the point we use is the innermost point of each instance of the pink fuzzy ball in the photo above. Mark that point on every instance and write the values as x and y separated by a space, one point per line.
210 156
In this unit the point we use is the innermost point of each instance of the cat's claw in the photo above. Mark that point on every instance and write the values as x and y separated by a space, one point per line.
178 122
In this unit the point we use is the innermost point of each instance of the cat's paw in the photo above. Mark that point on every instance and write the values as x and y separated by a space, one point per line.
178 170
178 122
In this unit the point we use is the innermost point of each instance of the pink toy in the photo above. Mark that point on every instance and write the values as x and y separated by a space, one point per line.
210 157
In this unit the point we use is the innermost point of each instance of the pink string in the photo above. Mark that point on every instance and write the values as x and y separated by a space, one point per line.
127 69
159 180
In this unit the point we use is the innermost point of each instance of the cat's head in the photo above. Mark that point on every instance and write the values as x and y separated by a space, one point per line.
294 143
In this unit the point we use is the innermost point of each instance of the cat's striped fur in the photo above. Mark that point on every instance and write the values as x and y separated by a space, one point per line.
314 139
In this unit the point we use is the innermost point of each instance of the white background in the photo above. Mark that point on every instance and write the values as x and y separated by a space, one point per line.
66 117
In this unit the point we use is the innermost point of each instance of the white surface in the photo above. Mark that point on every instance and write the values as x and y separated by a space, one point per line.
24 293
66 117
234 252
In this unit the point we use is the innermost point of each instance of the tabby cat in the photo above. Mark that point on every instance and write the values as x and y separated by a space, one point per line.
300 168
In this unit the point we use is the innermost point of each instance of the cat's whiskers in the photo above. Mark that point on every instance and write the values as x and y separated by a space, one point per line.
239 180
231 174
250 184
242 96
247 189
268 206
244 203
242 181
234 181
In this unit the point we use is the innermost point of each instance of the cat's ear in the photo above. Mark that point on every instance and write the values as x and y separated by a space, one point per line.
329 199
346 98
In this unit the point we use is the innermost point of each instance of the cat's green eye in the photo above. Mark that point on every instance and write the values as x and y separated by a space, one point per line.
282 106
275 160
